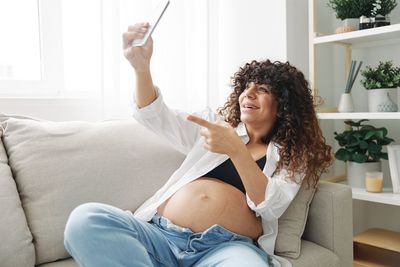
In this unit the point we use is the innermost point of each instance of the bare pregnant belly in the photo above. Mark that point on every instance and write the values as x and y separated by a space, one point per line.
207 201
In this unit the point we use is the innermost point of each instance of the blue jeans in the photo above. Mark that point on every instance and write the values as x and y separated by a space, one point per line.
98 235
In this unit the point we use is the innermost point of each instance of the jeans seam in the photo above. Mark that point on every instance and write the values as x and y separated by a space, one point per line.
147 249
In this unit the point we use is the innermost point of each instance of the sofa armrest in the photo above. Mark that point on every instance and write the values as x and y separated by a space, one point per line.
330 220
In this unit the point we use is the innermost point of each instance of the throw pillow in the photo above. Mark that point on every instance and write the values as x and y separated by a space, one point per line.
292 223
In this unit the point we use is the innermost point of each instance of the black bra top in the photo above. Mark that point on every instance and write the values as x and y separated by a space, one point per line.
227 173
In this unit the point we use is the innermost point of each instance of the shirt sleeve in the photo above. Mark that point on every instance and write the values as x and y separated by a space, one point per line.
169 123
278 195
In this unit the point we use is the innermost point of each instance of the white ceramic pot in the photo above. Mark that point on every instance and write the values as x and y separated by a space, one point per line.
356 172
349 25
378 96
346 103
353 23
398 95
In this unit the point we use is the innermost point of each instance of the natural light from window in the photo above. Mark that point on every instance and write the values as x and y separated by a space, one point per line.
20 42
82 44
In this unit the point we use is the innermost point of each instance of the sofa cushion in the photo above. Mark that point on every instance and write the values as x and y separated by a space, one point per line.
313 255
60 165
292 223
16 239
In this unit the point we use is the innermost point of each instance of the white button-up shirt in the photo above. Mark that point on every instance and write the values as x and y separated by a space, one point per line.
184 135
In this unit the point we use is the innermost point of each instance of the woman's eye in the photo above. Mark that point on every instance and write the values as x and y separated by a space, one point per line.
263 89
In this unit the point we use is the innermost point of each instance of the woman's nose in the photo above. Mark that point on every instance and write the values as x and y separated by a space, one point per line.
250 92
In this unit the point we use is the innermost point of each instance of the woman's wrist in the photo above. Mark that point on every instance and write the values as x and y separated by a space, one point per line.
144 71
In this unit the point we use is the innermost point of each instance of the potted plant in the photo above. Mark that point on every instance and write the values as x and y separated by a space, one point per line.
361 149
381 10
382 83
350 11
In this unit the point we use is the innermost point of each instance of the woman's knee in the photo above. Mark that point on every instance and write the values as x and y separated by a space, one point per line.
83 220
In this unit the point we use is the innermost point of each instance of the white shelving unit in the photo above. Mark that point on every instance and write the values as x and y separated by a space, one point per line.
367 37
359 116
384 197
356 39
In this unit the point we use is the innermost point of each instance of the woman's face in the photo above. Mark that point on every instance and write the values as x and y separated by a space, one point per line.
258 106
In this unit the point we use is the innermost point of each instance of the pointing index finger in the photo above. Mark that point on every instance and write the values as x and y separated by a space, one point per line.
200 121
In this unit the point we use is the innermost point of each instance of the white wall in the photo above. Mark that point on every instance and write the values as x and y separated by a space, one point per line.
257 30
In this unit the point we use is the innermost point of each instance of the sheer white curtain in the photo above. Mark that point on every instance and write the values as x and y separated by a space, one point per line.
180 59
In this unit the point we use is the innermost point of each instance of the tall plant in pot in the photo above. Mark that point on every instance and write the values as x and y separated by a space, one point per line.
382 83
350 11
361 148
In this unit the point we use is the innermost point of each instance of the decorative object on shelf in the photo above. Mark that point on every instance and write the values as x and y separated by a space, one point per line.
394 165
374 181
380 81
349 25
361 149
346 101
387 105
381 10
366 23
380 21
356 172
379 14
350 11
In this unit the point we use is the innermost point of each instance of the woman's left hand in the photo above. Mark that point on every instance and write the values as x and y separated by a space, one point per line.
220 137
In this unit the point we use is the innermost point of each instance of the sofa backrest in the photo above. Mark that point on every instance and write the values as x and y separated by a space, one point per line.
58 166
16 246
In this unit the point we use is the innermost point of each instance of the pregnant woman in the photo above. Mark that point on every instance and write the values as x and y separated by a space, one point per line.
244 165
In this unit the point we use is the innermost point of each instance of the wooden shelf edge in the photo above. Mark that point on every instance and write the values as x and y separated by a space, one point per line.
379 238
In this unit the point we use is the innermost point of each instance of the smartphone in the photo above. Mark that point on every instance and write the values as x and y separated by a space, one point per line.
156 15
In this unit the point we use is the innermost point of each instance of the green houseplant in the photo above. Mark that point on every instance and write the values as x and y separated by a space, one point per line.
361 148
345 9
382 83
350 11
383 7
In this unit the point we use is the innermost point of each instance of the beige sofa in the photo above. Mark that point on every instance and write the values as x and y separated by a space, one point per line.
49 168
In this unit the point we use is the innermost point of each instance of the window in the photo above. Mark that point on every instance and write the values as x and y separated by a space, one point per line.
20 42
51 47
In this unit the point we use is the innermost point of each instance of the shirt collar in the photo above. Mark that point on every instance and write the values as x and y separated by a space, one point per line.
241 129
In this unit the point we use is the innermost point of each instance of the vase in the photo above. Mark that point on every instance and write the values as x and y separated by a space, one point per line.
356 172
346 103
379 96
349 25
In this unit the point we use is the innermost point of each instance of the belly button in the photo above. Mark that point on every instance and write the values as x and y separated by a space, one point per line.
203 196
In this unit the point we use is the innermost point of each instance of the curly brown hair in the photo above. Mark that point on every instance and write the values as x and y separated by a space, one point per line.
303 148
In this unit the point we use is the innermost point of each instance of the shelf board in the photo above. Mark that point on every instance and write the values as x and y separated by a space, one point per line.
375 36
358 115
379 238
385 197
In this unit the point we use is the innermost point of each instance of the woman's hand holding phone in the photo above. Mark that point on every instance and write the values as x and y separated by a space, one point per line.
138 56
